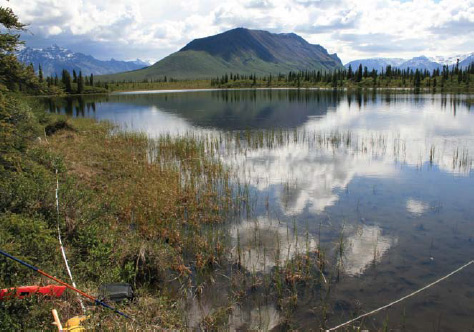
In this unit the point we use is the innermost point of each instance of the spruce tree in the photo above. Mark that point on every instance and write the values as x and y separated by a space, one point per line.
66 80
417 79
80 83
359 74
40 74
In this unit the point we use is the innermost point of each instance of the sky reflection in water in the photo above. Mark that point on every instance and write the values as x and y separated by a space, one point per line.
340 138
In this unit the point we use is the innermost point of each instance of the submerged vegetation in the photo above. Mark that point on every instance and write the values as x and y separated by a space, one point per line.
124 217
168 216
146 212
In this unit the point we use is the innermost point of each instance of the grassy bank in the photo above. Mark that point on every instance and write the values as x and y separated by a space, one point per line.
131 210
426 85
149 213
172 85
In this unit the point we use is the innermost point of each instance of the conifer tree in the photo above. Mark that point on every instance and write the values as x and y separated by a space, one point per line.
66 80
417 79
40 74
349 72
80 83
359 74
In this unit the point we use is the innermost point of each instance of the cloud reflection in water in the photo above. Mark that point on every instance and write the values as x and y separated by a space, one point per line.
366 245
264 241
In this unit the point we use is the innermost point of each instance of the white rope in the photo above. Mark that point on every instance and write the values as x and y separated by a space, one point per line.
403 298
62 247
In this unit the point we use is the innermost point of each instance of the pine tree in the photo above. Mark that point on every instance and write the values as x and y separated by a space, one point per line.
66 80
40 74
417 79
80 83
349 72
359 74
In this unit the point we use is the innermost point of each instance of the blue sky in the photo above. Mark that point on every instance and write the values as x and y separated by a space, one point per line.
150 30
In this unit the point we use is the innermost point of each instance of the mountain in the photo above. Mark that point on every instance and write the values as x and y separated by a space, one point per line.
451 60
466 61
421 62
54 59
240 51
375 63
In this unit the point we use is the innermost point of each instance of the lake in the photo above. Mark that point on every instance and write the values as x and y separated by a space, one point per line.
381 183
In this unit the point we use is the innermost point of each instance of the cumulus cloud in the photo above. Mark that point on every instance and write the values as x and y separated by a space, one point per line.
152 29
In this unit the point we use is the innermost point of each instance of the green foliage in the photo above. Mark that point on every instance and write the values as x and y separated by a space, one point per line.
15 76
80 83
17 127
97 252
66 80
33 313
9 41
30 239
360 79
194 65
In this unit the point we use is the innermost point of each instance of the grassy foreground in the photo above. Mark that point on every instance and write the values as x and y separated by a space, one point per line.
131 210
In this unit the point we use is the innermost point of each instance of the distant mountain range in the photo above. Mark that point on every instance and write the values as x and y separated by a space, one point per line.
421 62
240 51
54 59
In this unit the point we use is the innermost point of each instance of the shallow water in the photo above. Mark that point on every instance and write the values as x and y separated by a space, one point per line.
388 175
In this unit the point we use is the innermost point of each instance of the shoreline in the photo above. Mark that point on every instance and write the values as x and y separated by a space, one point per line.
191 89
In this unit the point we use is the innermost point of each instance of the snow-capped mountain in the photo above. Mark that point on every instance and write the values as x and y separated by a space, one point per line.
375 63
421 62
467 61
451 60
54 59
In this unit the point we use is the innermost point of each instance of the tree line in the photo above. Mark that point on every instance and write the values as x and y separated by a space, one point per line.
70 83
387 77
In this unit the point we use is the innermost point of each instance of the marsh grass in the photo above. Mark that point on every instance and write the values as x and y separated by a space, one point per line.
165 204
156 213
141 211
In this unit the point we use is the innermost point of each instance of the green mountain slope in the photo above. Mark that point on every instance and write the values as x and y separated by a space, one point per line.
240 51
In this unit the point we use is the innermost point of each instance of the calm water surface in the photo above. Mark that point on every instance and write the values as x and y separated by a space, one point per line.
390 174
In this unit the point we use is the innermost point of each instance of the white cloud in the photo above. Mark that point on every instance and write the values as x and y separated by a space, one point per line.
54 30
153 29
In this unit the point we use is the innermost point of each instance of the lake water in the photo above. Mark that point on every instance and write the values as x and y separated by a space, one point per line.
388 175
